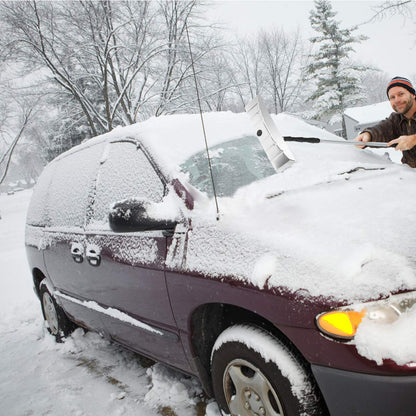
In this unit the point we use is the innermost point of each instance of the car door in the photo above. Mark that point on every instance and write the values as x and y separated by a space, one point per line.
127 270
67 201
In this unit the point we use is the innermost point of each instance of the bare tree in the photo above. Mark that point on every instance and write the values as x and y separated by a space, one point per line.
118 47
270 65
216 82
95 52
374 83
176 15
184 28
6 157
389 7
111 62
249 72
283 65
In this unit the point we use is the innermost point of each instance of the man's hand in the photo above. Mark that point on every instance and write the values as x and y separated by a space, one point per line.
404 142
363 137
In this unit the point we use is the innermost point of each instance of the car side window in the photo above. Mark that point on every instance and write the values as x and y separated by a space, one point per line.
125 173
71 187
38 212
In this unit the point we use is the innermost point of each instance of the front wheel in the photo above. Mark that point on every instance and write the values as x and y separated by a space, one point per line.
253 373
57 322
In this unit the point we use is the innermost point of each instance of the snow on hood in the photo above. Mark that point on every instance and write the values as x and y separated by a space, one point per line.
349 238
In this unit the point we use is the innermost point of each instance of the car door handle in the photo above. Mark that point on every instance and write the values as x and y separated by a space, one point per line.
77 252
93 255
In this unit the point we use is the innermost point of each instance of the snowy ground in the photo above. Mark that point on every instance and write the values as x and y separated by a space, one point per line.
86 375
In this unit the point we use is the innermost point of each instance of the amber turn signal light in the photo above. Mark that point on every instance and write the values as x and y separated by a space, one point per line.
340 324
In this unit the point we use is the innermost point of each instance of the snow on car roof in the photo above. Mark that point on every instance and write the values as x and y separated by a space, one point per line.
178 137
172 139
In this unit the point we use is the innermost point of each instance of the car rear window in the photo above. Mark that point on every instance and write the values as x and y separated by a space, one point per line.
71 187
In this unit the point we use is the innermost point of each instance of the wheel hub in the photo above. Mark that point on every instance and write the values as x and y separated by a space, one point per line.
50 313
248 392
253 403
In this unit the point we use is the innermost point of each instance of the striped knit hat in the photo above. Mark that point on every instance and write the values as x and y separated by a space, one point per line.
400 82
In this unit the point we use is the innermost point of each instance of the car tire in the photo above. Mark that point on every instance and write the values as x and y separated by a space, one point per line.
254 373
56 320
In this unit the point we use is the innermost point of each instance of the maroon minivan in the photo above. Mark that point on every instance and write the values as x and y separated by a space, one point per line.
259 294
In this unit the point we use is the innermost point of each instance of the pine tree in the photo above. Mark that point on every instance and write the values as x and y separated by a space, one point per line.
336 78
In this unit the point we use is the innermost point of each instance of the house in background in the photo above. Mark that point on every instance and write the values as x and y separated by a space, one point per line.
358 118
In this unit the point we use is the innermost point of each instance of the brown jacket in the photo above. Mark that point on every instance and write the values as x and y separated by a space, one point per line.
393 127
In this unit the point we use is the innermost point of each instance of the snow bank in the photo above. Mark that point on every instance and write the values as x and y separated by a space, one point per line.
167 386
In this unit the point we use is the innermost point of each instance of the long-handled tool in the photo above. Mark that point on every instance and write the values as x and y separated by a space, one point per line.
274 143
317 140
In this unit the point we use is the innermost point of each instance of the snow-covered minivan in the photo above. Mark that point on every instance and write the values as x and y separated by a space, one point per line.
290 294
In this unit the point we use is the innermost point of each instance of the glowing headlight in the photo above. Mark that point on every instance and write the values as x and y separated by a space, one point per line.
344 322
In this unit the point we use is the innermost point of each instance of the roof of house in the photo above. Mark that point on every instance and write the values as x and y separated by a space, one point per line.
369 113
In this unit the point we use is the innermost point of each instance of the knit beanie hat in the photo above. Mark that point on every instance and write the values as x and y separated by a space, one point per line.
400 82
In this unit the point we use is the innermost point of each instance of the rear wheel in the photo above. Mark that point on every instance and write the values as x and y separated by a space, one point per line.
254 373
57 322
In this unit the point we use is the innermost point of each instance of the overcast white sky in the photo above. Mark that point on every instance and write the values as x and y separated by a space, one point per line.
391 46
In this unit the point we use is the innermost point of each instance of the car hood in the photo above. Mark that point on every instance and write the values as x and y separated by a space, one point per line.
342 229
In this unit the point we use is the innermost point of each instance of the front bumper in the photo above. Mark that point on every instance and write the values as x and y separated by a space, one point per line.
349 393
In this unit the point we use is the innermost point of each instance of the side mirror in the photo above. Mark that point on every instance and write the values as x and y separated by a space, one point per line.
133 215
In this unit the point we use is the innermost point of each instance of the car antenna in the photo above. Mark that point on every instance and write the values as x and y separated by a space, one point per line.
202 122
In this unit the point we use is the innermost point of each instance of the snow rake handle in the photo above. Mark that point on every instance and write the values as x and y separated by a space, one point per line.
317 140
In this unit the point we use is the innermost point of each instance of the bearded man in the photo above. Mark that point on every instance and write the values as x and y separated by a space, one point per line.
399 129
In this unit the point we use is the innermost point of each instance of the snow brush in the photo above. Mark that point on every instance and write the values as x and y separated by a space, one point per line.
317 140
274 144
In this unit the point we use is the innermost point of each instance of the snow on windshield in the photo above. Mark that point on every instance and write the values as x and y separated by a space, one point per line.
235 163
334 238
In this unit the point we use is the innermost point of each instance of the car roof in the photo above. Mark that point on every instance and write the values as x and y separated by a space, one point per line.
172 139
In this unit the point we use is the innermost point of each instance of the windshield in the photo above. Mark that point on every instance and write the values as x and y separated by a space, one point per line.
235 163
